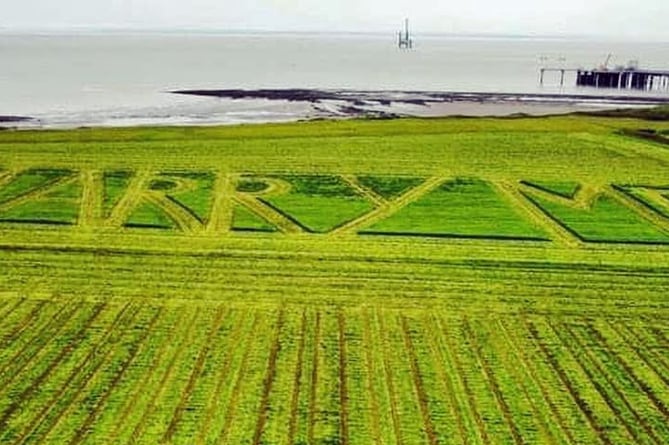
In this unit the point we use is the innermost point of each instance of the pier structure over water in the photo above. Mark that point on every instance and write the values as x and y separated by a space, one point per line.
624 78
648 80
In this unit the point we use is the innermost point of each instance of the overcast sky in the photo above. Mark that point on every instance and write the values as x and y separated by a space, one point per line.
625 18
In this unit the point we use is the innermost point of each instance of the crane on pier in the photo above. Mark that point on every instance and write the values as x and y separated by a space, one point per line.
605 66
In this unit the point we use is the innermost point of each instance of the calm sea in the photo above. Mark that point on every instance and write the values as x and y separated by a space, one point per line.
121 79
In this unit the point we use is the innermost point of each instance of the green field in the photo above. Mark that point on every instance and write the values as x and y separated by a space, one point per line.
436 281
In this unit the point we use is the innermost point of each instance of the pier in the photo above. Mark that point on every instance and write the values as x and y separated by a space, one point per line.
628 78
647 80
562 71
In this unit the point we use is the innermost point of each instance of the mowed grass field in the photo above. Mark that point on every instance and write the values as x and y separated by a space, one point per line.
439 281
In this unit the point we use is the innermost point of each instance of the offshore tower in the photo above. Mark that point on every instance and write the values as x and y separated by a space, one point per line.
404 40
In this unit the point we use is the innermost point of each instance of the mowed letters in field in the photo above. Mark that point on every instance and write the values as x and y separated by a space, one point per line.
451 281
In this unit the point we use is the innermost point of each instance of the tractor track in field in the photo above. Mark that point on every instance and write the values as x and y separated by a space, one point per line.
140 385
41 378
91 207
167 374
265 211
388 377
660 337
343 386
536 380
369 381
419 385
652 199
84 429
297 381
519 377
231 409
586 362
268 380
453 357
9 338
556 232
130 199
8 308
633 339
94 355
60 321
314 379
493 384
102 356
365 192
598 369
185 220
241 333
220 221
38 420
445 379
6 177
629 372
192 378
567 384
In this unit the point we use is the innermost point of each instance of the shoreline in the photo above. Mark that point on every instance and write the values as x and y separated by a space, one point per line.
258 106
340 103
386 97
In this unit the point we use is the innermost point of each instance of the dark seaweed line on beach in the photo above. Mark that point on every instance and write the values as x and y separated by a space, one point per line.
12 119
361 97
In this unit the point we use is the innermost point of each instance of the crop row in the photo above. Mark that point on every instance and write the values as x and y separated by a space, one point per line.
76 372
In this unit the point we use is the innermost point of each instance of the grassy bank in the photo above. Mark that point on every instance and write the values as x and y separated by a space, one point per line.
353 282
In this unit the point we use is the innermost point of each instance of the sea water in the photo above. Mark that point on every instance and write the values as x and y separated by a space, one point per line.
125 78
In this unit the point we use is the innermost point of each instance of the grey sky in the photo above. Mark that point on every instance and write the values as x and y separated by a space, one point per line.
625 18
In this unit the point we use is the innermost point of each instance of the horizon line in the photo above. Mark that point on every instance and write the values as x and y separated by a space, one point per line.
119 29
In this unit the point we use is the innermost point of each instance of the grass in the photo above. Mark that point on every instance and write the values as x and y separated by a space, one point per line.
389 187
658 204
563 188
198 333
605 221
115 184
30 180
245 220
459 208
250 185
45 211
198 197
147 215
57 205
658 113
320 203
71 190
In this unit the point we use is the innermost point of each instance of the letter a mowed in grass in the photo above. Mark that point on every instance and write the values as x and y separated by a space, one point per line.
441 281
